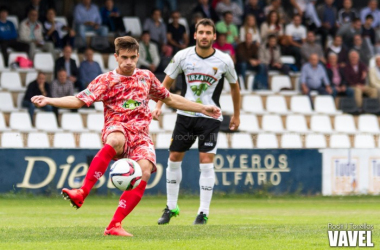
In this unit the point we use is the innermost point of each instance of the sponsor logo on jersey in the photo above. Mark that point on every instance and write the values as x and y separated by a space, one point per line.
196 77
87 92
199 89
190 66
215 70
143 80
131 104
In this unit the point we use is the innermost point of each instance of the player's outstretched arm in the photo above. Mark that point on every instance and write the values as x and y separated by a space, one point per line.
179 102
235 94
168 82
67 102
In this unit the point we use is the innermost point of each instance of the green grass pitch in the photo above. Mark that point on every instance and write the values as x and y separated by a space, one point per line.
242 222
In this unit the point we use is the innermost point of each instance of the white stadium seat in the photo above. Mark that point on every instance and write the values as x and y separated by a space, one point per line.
267 140
75 57
3 126
2 64
11 81
222 141
163 140
112 64
339 141
47 121
291 141
99 59
44 62
38 140
61 19
300 104
345 124
14 20
64 140
13 55
6 102
168 121
364 141
253 104
288 59
325 104
30 77
368 124
20 121
249 123
95 122
90 140
276 104
226 104
296 123
315 141
12 140
320 124
154 127
279 82
133 25
72 122
241 140
272 123
99 106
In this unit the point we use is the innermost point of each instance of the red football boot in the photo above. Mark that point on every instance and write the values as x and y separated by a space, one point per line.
76 196
117 230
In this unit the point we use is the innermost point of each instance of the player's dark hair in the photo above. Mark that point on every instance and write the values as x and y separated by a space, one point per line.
126 42
205 22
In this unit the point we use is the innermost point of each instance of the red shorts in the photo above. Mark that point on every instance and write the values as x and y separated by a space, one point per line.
138 145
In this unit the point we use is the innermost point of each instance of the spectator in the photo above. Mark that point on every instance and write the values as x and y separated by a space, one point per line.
374 74
87 18
306 9
270 55
149 56
314 77
203 7
111 18
348 32
226 26
347 14
250 26
172 4
253 8
327 13
272 26
356 74
371 10
276 6
37 87
248 59
226 5
176 35
368 32
296 34
31 32
69 64
196 17
222 45
311 47
156 28
62 86
337 78
88 69
53 31
8 36
364 51
40 8
337 48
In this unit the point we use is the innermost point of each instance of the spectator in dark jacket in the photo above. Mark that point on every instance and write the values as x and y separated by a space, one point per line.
89 69
205 9
337 48
69 64
253 7
327 13
368 31
337 78
111 17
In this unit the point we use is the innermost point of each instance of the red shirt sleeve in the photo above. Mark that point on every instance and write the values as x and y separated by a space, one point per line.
157 90
95 91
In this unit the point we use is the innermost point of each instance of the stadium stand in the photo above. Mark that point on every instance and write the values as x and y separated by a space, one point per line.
291 141
38 140
315 141
72 122
222 141
296 123
241 140
20 121
364 141
340 141
163 140
46 121
272 123
12 140
90 140
267 140
64 140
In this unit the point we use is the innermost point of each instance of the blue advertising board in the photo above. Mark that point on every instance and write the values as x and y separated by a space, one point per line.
236 170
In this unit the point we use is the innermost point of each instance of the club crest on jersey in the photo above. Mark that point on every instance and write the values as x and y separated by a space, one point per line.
196 77
143 80
131 104
215 70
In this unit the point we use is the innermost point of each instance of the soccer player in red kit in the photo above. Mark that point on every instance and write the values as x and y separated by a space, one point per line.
125 93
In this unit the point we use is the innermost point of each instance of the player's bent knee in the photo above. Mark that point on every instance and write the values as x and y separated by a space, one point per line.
176 156
117 142
206 158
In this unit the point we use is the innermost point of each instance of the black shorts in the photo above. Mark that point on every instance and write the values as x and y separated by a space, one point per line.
188 129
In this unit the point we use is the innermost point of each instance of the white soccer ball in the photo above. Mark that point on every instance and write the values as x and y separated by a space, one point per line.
125 174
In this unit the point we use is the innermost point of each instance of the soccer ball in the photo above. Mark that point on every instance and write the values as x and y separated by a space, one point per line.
125 174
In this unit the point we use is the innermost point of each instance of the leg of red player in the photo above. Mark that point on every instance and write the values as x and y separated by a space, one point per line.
128 201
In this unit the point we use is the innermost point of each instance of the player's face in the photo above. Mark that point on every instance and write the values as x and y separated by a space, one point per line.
127 60
204 36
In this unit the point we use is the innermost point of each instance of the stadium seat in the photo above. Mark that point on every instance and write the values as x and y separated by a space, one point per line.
46 121
12 140
13 55
95 122
2 64
20 98
320 124
280 82
99 106
163 140
133 25
291 141
315 141
296 123
345 124
99 59
64 140
241 140
272 123
21 121
44 62
61 19
368 124
168 121
38 140
6 102
14 20
222 141
75 57
112 63
154 127
11 80
339 141
90 140
253 104
30 77
266 140
364 141
288 60
371 106
72 122
348 105
249 123
325 104
226 104
3 126
276 104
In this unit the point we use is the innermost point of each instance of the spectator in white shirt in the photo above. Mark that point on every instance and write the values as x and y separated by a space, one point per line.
250 26
149 56
296 34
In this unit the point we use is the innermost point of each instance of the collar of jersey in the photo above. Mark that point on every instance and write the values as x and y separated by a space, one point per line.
114 71
206 56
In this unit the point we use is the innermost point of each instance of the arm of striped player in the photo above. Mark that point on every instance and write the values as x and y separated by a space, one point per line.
67 102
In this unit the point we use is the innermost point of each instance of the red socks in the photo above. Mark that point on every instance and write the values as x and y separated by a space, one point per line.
97 167
128 201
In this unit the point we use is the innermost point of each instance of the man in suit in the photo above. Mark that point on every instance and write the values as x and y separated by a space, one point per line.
206 10
69 64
